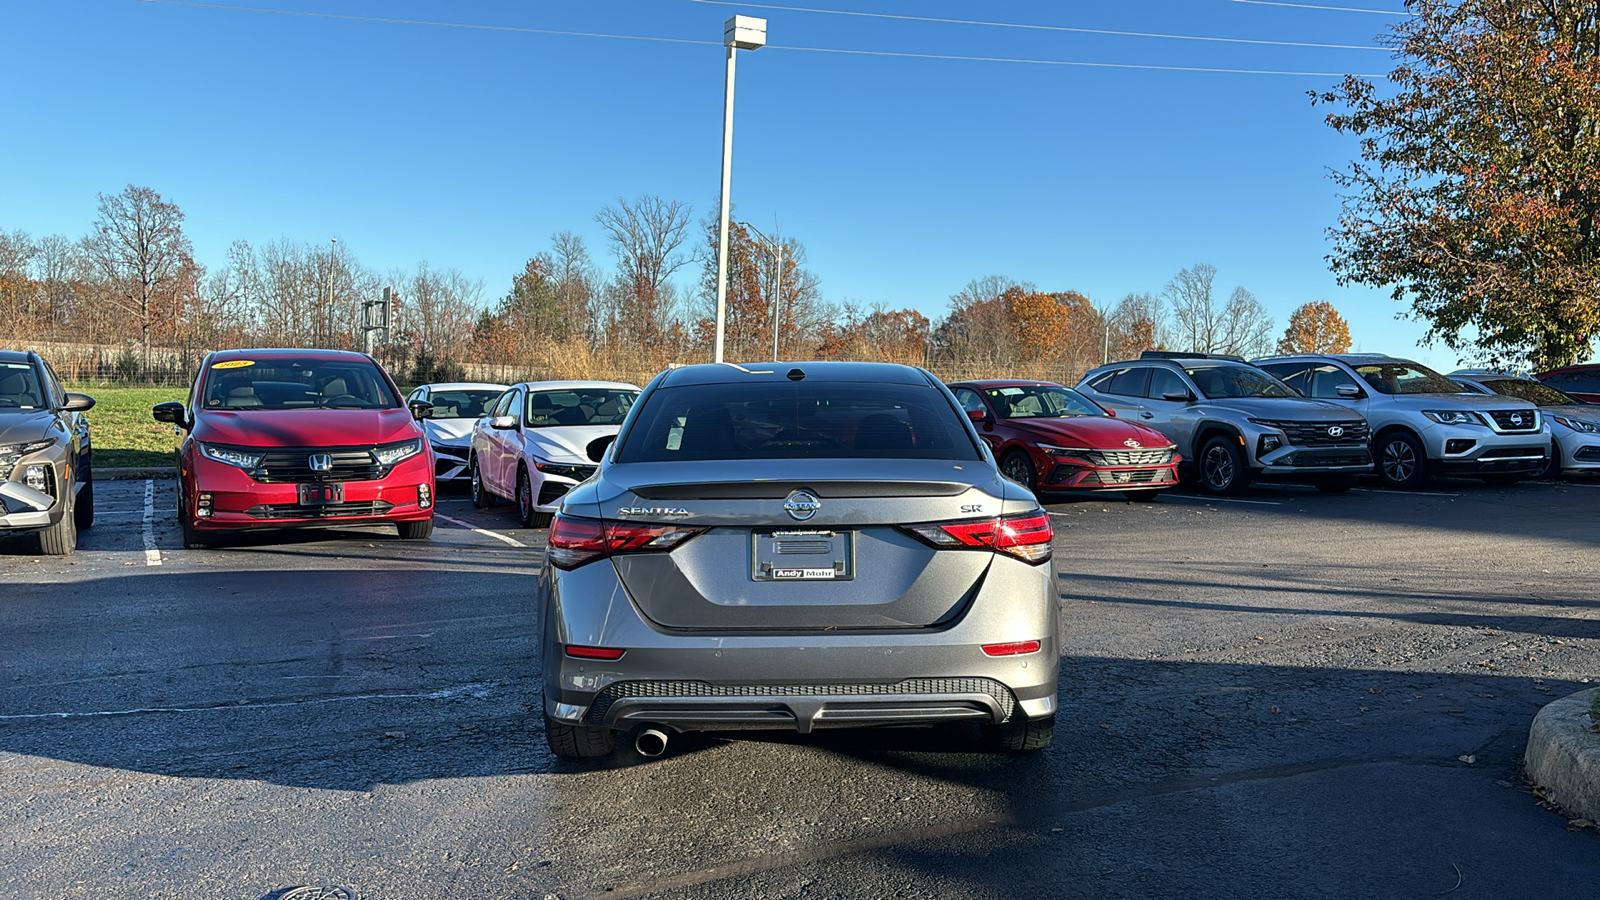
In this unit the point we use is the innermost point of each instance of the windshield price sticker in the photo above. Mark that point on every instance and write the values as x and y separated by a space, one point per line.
234 364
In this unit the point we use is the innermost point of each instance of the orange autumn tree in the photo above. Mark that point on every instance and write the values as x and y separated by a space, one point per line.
1316 327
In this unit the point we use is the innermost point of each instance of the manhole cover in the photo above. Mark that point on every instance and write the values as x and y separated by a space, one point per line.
320 893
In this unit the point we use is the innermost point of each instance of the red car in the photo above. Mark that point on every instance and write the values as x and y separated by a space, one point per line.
1582 381
290 438
1050 439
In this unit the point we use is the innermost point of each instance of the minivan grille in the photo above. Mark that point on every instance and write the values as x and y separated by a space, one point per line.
1312 434
293 466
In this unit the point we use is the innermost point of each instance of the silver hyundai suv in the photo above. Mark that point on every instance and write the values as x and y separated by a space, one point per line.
796 546
1422 422
46 486
1233 422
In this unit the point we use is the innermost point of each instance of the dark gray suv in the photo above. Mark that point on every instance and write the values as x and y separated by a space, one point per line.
46 484
1234 422
796 546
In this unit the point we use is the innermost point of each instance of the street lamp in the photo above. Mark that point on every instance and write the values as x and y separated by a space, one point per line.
777 293
327 319
738 33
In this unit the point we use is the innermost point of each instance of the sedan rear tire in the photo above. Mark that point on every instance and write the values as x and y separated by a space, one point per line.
578 741
1020 735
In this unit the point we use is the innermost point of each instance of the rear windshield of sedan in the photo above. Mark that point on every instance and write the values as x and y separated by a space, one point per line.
788 420
581 406
296 384
462 403
19 387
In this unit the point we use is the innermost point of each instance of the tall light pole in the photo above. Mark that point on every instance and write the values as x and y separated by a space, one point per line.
327 318
777 294
738 33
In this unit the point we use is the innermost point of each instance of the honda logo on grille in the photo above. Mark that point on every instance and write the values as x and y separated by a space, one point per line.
1335 431
320 462
802 505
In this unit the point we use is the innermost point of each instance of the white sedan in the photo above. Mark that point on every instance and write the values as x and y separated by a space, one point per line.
541 439
456 406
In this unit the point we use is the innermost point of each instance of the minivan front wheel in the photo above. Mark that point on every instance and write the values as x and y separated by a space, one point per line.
1402 463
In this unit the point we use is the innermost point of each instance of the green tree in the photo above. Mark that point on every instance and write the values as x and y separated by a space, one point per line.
1477 191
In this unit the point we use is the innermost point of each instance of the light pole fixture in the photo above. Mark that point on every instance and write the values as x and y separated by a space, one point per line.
328 315
777 293
738 33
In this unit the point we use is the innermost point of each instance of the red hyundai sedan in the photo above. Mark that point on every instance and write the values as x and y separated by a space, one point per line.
1052 439
290 438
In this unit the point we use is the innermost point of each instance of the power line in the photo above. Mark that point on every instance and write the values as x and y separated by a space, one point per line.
1380 12
1033 27
669 40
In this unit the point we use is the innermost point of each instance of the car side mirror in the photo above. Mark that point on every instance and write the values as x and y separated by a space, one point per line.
1347 390
78 403
503 423
420 409
1111 412
978 416
171 411
1178 396
597 448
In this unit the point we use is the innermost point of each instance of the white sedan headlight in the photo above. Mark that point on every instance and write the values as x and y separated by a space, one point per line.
1583 425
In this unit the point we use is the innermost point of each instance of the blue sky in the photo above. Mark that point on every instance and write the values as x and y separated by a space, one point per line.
904 177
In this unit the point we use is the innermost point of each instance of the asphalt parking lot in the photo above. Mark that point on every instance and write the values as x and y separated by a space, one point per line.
1290 694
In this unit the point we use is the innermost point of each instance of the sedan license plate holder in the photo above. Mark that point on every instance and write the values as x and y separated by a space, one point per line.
321 493
802 555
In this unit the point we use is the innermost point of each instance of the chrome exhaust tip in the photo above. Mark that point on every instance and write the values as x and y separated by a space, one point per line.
651 742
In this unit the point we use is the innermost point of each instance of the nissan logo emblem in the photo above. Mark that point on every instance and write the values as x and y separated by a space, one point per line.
1335 431
802 505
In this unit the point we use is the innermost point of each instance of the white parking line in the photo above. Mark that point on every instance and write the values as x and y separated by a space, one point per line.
152 556
483 531
1390 491
1225 500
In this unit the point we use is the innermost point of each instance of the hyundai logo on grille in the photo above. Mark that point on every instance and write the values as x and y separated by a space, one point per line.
802 505
1130 442
1335 431
320 462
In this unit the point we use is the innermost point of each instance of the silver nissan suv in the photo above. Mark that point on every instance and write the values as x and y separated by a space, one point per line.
1423 423
1234 421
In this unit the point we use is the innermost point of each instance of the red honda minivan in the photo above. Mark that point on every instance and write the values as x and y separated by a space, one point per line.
292 438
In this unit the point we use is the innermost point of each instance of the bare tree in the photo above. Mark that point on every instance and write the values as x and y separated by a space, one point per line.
646 235
1244 326
61 269
1194 313
437 310
146 261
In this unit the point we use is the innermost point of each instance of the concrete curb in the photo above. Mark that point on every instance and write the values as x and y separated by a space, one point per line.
1563 755
157 473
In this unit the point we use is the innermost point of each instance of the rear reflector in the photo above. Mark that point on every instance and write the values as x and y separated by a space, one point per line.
580 652
1016 648
574 542
1028 536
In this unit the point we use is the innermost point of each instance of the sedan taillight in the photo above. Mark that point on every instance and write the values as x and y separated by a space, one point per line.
1028 536
574 542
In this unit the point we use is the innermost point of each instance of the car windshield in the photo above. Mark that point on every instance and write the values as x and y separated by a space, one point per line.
1216 382
308 383
1532 391
1400 377
462 403
579 406
804 420
19 387
1041 402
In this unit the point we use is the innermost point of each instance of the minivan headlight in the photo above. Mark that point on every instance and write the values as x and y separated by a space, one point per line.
233 456
389 454
1453 417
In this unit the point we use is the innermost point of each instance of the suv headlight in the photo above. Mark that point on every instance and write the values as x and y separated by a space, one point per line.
11 453
1583 425
243 459
1453 417
389 454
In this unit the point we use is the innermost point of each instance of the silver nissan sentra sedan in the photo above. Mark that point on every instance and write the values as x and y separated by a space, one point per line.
796 546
